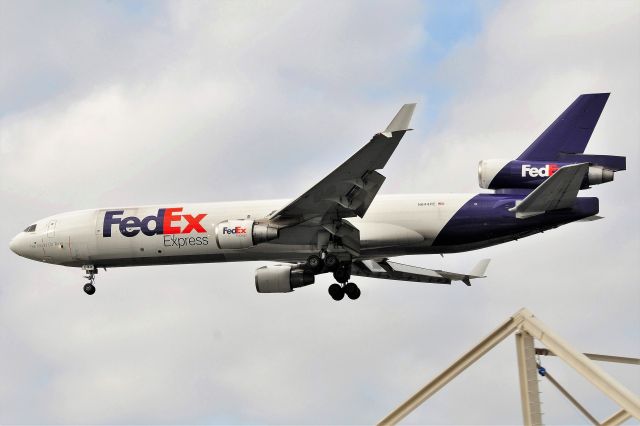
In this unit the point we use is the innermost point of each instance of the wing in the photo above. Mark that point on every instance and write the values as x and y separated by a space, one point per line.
397 271
349 190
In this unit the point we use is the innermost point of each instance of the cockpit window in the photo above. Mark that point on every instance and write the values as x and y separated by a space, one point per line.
31 228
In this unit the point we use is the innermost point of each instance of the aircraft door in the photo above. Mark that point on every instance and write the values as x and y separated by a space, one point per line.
51 228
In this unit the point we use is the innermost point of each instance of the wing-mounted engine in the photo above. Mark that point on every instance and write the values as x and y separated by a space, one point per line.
243 233
505 174
282 278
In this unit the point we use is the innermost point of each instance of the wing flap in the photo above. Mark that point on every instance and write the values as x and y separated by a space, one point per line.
384 269
396 271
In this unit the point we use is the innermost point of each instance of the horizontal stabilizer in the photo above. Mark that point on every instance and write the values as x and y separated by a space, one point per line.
557 192
611 162
397 271
590 218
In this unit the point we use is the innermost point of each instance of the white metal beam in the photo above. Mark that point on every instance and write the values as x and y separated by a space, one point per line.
617 418
583 365
596 357
485 345
527 372
526 322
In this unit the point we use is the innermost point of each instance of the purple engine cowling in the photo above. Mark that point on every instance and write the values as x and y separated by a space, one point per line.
508 174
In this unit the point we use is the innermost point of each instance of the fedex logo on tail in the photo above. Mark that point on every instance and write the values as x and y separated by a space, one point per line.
544 171
167 221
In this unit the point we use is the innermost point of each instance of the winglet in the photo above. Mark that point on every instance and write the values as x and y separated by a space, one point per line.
401 120
480 269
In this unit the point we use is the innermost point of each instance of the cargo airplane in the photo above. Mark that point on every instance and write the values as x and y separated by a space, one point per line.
340 225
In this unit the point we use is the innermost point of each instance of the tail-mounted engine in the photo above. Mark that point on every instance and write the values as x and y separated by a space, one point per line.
505 174
282 278
243 233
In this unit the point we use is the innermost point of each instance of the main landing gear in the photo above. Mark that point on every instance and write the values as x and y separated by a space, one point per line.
341 272
338 291
91 271
325 261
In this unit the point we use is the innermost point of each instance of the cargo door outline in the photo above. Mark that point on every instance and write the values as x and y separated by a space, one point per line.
51 228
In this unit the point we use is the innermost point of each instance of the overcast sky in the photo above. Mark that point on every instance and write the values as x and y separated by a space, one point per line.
123 103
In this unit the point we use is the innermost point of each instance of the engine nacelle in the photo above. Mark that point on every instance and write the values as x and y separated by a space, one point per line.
503 174
243 233
598 175
282 278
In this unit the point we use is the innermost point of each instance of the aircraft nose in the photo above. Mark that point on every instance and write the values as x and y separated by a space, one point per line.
15 245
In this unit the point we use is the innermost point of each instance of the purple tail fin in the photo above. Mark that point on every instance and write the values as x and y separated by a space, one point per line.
569 133
562 144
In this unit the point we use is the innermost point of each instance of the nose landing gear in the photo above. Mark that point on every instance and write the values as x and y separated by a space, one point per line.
89 288
91 271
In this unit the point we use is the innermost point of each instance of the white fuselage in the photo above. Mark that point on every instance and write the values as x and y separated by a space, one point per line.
394 224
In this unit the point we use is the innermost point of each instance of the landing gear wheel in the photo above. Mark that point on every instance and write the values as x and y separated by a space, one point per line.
352 291
331 262
91 272
336 292
315 263
341 275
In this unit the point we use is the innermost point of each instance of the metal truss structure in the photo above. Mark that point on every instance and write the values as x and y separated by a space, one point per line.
528 328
